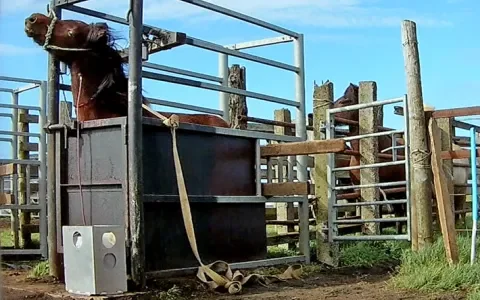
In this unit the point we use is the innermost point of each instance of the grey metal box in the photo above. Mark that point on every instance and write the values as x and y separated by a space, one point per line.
94 259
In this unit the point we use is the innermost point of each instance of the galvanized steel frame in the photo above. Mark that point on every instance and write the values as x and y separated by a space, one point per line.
41 162
333 222
134 117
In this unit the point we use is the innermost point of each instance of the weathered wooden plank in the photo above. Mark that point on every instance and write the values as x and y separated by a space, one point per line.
455 154
287 189
6 199
456 112
445 211
8 169
303 148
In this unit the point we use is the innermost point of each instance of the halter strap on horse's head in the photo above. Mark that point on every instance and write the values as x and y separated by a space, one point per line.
48 35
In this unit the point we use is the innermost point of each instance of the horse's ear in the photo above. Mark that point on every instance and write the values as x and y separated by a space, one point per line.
99 33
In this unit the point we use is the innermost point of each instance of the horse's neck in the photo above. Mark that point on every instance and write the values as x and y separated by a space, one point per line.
85 84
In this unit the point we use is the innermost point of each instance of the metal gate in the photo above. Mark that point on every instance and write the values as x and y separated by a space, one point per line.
335 222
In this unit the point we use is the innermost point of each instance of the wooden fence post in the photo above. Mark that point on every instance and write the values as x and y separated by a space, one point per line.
23 183
238 104
285 211
326 252
368 123
421 181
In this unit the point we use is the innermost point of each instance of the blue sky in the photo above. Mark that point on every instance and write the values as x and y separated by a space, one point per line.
345 41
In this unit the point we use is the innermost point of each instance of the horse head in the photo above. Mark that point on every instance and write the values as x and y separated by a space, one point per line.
350 97
67 39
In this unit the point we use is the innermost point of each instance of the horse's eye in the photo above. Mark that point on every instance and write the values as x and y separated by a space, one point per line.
70 33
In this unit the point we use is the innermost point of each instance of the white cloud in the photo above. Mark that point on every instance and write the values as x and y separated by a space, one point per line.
11 50
318 13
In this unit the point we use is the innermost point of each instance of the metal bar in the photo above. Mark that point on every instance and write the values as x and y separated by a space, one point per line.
379 202
473 162
301 132
364 105
65 3
261 43
149 198
54 260
220 49
17 79
407 167
135 138
238 265
381 133
8 140
381 184
4 90
182 72
5 132
42 175
20 251
465 125
15 217
373 238
224 97
331 179
20 161
31 86
258 169
5 105
214 87
65 87
6 115
184 106
243 17
380 220
375 165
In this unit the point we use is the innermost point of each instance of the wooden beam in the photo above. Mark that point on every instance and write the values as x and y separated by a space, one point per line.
30 228
303 148
6 199
444 205
8 169
457 154
456 112
287 189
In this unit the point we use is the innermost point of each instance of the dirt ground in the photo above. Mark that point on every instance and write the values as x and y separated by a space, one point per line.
339 284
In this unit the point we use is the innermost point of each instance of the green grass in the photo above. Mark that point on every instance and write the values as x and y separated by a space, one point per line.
40 270
428 270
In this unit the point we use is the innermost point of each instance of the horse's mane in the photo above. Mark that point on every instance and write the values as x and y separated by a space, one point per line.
104 42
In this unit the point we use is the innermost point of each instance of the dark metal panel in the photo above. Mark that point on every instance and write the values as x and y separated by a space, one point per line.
213 164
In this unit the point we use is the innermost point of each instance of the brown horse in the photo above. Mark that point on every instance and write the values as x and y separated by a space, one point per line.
99 83
392 173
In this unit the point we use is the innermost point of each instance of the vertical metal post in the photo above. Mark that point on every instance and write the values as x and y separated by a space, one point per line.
407 166
14 176
223 73
135 149
258 169
42 175
301 132
473 168
52 105
331 179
